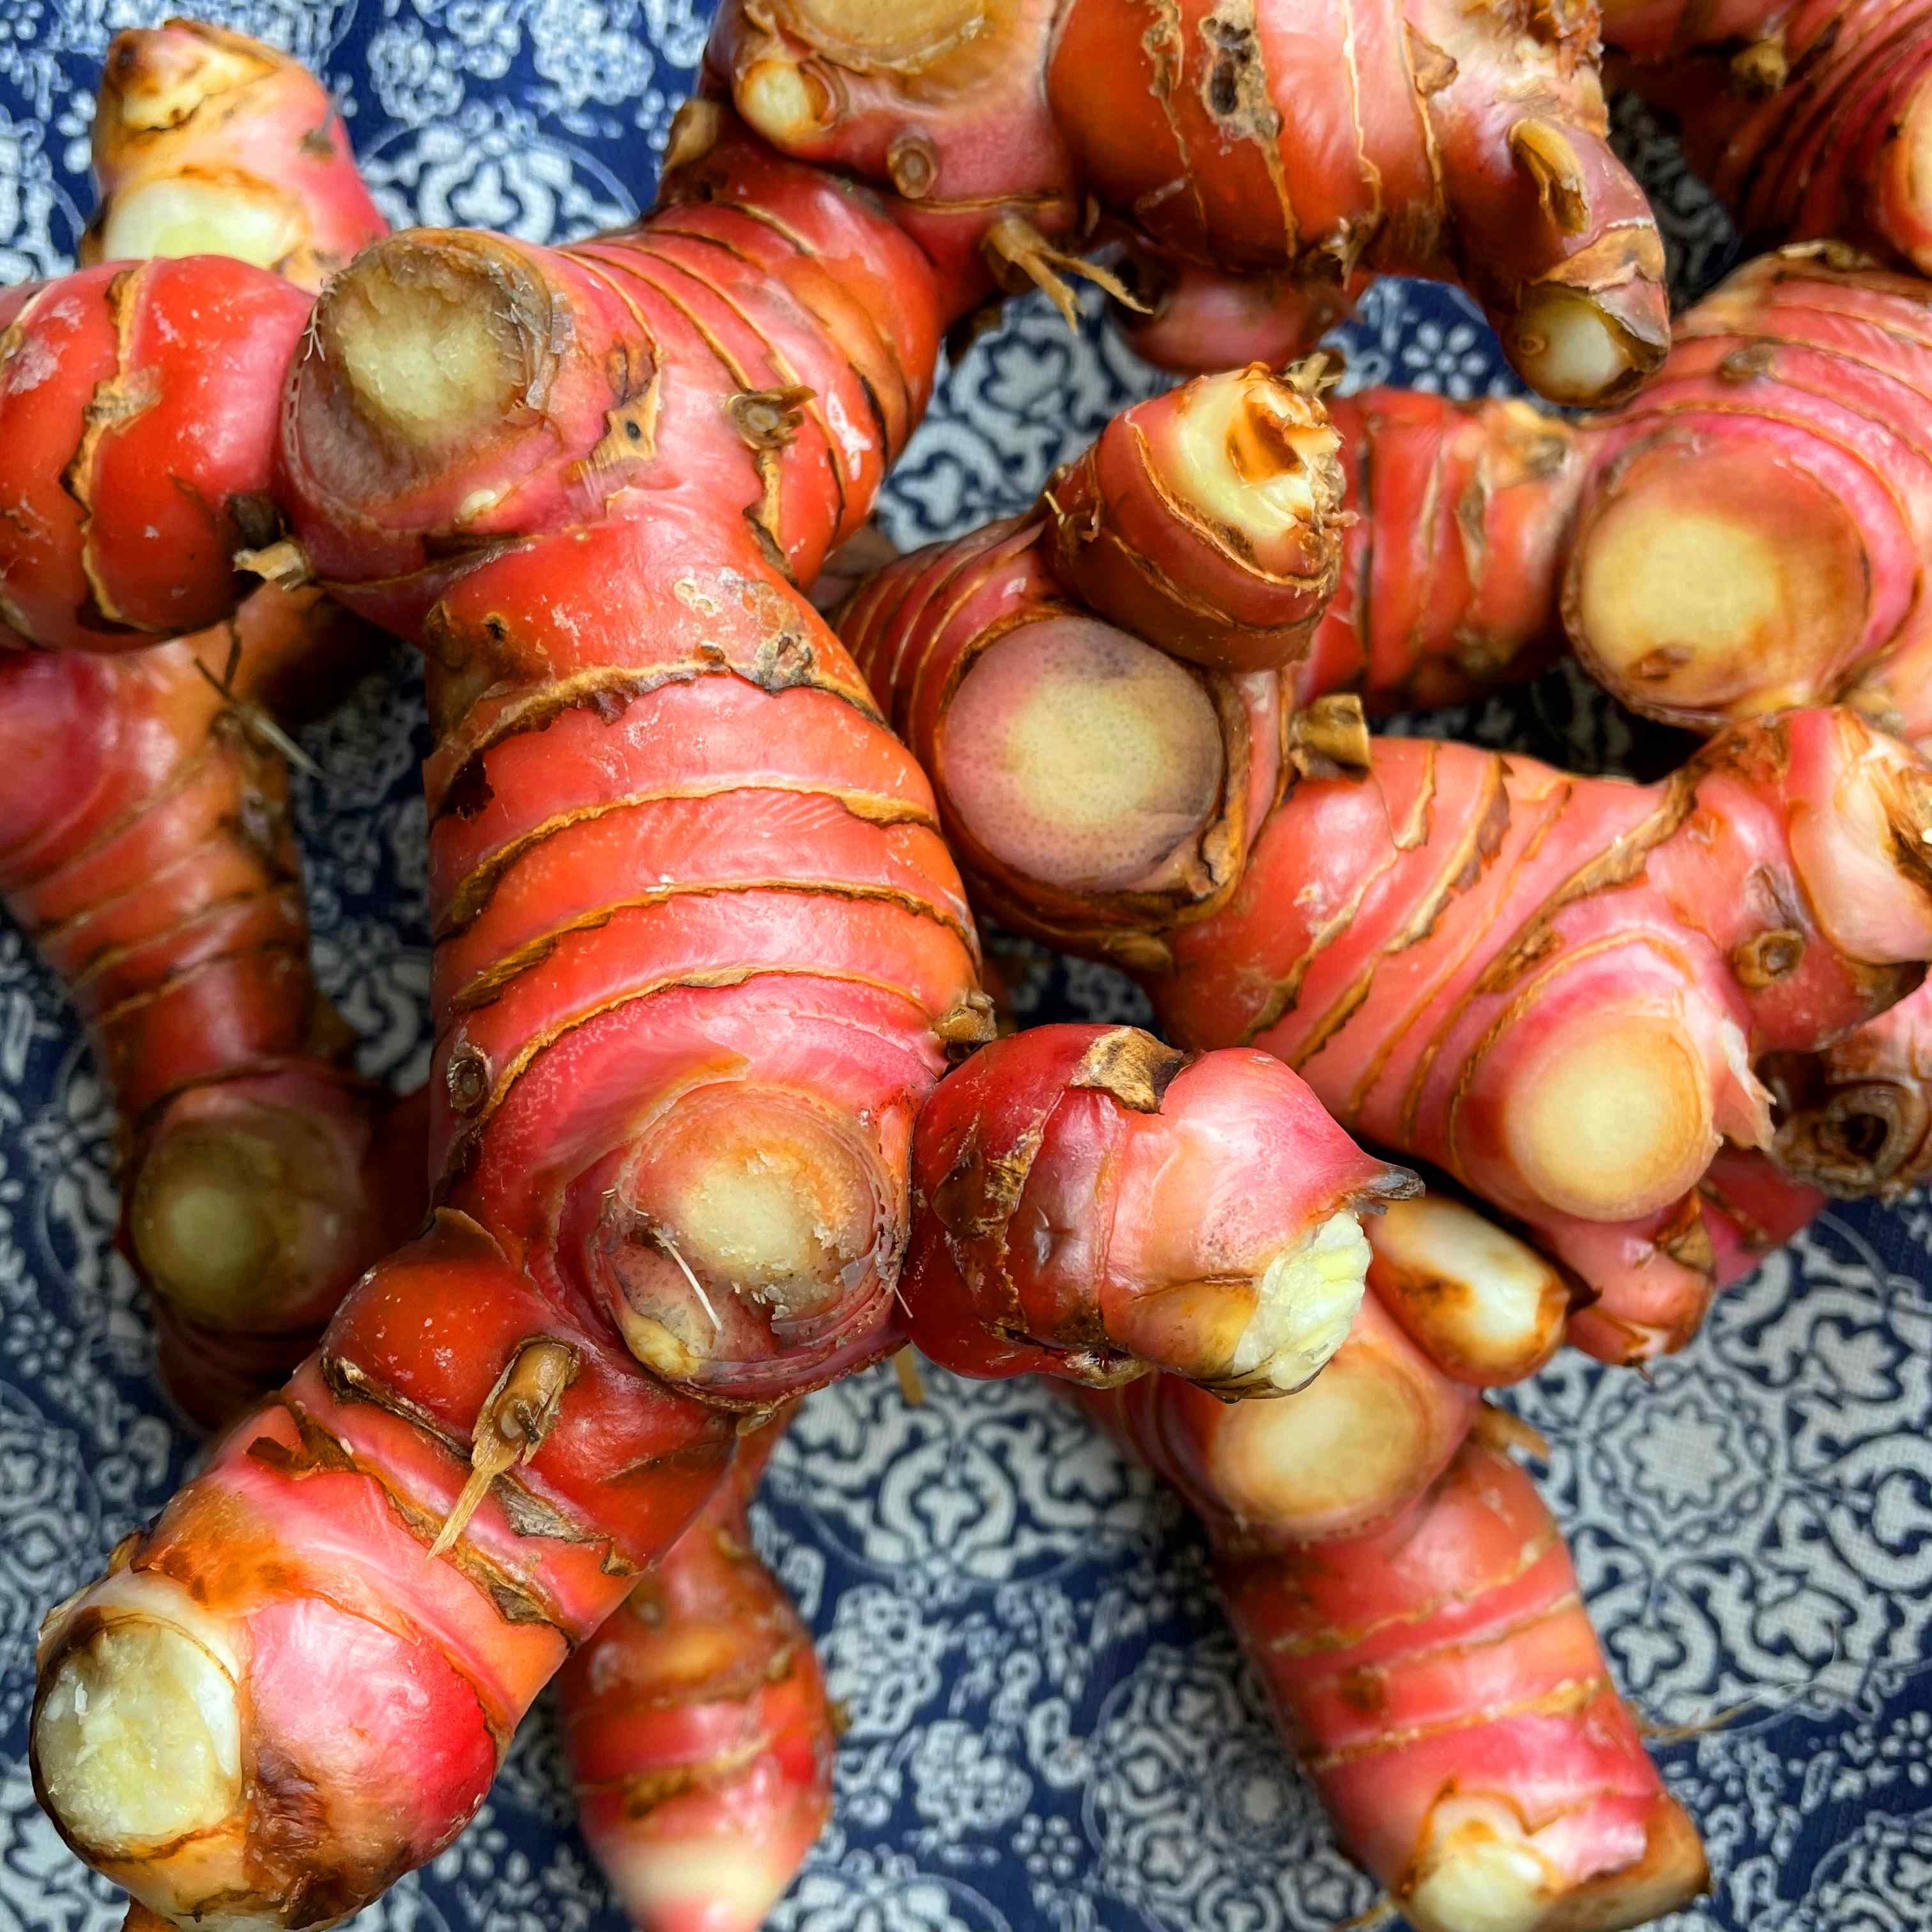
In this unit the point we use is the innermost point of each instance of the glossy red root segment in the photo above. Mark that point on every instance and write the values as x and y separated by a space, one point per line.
145 847
1808 117
1092 1204
1441 1684
207 143
1746 535
1407 1601
1197 321
138 409
331 1703
1304 139
1555 988
700 955
1755 527
698 1730
1750 1209
1856 1119
1208 521
1451 570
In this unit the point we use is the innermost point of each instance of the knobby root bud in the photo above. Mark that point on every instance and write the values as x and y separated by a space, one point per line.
1209 521
511 1426
1570 349
1483 1307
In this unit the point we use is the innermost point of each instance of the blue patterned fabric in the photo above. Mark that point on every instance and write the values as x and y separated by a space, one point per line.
1048 1726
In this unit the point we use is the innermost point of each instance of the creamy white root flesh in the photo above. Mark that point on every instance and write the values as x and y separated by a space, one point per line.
1718 583
1078 756
1612 1123
1482 1305
138 1735
1250 452
721 1878
1568 349
734 1198
1358 1441
1253 455
421 336
1262 1334
781 101
1308 1300
1479 1871
188 215
202 1223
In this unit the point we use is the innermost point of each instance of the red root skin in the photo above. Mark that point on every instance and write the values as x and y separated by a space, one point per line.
1406 1599
1807 119
1751 1209
1196 321
138 409
1465 144
1422 946
699 1733
1145 528
1441 1684
1789 440
1746 535
1091 1203
1417 945
1451 572
375 1690
145 848
700 956
206 142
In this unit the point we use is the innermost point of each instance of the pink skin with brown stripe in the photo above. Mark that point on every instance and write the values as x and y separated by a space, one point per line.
698 1730
1554 988
207 142
1290 136
1810 117
1405 1594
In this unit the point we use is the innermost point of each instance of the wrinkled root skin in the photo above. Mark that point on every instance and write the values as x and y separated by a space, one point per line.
1447 1696
645 1034
206 142
1770 897
698 1731
1855 1120
1701 924
145 848
1091 1205
1406 1599
1808 122
1465 146
365 1693
1753 531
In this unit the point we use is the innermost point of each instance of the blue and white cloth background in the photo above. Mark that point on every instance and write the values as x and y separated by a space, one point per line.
1049 1727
